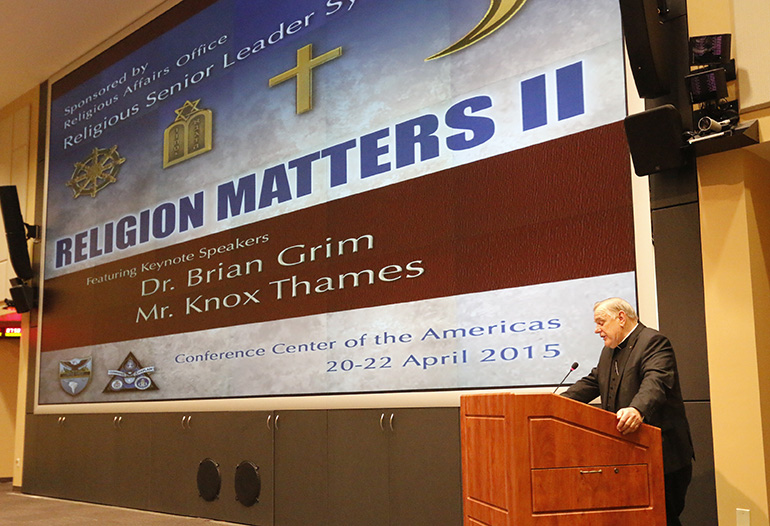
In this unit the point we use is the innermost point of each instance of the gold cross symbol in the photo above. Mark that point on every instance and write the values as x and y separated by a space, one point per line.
304 73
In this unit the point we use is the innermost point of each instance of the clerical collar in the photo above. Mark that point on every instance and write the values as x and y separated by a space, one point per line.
622 345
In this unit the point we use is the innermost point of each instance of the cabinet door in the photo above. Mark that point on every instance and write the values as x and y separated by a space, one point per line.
425 467
301 464
42 456
236 437
358 468
174 465
182 441
85 457
122 460
68 445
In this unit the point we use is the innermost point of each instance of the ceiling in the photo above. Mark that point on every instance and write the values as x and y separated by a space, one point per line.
38 38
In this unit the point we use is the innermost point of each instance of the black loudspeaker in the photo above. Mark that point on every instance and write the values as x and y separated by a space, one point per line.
209 480
22 295
656 140
646 47
15 232
248 483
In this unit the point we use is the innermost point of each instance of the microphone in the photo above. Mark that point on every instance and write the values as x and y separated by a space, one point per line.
575 365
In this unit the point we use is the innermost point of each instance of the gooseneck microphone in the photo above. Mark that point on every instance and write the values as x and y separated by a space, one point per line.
575 365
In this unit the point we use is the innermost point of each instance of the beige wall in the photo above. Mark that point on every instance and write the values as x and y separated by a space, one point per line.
735 233
735 236
751 20
9 364
18 165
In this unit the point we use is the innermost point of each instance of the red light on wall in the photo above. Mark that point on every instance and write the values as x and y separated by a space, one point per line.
9 314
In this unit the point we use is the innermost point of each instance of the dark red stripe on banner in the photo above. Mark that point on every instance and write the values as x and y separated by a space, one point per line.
551 212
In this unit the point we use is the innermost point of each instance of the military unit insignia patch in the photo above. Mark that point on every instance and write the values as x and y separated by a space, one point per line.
74 375
130 376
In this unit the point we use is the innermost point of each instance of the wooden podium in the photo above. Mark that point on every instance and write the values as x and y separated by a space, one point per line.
545 460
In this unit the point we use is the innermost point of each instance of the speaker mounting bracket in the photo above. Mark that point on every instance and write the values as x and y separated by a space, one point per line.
33 231
671 9
742 135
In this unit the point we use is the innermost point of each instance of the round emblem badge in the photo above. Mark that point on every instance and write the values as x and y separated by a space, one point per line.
143 382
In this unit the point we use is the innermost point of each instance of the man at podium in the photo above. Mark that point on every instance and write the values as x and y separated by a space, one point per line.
637 379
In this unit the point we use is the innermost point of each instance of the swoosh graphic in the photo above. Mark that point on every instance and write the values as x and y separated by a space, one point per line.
499 12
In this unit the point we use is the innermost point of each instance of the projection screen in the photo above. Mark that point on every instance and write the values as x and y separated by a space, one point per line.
320 197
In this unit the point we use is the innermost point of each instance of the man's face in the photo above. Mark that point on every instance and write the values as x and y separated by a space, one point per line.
610 327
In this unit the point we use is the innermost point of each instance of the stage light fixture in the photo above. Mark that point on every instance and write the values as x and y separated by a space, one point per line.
707 124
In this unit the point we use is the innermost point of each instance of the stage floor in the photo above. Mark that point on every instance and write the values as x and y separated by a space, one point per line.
18 509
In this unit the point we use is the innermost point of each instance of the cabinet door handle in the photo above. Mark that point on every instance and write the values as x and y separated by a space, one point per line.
589 471
382 422
115 422
269 417
276 421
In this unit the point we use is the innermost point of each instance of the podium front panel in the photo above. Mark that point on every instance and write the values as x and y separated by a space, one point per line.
487 486
544 460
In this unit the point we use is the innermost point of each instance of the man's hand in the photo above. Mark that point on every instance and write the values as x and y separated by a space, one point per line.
629 420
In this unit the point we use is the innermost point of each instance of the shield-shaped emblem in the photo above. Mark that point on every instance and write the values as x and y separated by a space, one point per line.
74 375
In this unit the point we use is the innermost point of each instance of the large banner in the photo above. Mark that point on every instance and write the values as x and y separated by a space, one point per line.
337 196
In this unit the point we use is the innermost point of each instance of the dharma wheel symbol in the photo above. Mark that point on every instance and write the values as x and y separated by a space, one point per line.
100 169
